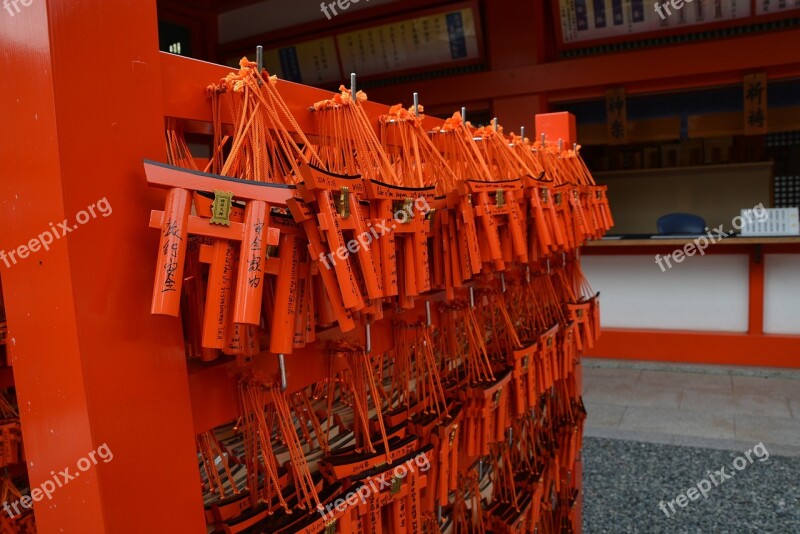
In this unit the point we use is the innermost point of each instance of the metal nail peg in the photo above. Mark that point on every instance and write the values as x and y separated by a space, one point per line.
368 330
472 297
260 61
522 132
282 366
528 274
494 123
543 138
416 105
503 281
560 145
464 115
353 86
428 311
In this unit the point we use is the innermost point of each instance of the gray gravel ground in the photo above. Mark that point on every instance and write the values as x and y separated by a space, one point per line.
624 481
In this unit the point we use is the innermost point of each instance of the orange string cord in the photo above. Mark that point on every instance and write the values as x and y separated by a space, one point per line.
504 162
263 148
348 143
416 160
304 483
455 142
209 449
207 456
363 383
322 438
258 446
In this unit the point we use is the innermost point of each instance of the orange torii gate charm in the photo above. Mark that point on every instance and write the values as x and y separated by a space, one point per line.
176 224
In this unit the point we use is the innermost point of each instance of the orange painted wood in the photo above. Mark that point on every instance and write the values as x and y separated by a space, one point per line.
184 76
171 253
91 364
249 290
698 347
756 293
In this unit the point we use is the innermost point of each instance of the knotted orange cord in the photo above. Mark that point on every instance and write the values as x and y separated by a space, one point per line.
7 410
523 450
258 446
415 363
348 143
178 153
504 162
306 491
458 148
303 406
494 309
503 484
416 160
263 148
468 520
524 150
209 451
363 384
430 525
461 345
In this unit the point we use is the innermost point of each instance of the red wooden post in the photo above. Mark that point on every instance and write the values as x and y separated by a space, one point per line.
91 364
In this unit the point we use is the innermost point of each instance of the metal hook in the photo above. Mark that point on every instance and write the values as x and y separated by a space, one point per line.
260 61
282 366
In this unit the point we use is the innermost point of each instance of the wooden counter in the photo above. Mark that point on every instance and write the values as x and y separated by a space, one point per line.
736 302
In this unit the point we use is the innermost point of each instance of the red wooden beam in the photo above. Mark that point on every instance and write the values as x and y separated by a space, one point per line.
698 347
756 292
91 365
665 65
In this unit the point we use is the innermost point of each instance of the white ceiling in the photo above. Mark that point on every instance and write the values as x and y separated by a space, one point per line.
270 15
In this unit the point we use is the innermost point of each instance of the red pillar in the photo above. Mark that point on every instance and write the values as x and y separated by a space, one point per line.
81 107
